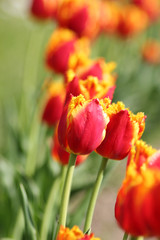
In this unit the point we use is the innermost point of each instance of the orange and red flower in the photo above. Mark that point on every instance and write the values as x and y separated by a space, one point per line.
82 125
74 234
123 129
151 7
65 51
110 14
44 9
151 51
81 16
53 107
137 205
95 80
132 20
60 155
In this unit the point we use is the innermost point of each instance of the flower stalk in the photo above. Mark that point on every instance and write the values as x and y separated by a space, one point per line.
66 192
125 237
94 195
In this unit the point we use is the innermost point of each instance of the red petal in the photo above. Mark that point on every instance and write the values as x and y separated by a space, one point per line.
58 59
119 134
53 110
95 71
86 130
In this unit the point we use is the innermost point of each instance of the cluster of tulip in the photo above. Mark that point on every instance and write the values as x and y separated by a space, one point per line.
79 106
89 18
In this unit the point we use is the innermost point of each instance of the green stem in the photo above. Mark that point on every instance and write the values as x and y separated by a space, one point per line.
92 203
125 237
66 191
48 212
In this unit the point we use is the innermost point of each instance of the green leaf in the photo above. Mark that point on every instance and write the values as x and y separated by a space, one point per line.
29 227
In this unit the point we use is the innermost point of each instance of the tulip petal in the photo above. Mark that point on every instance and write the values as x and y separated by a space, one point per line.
119 134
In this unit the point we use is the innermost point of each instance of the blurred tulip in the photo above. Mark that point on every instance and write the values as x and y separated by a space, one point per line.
53 106
82 125
123 129
65 51
74 234
44 9
95 80
151 7
151 52
137 205
110 14
132 21
81 16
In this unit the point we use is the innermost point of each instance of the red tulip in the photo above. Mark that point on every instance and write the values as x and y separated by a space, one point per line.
54 103
66 51
44 9
137 205
122 131
81 17
94 80
82 125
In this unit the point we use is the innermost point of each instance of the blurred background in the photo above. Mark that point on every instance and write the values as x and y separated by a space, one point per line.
23 138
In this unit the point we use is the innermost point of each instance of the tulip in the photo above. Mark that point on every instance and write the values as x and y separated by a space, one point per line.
54 102
44 9
66 51
95 80
110 14
82 125
151 51
152 8
137 205
122 131
81 16
132 21
74 234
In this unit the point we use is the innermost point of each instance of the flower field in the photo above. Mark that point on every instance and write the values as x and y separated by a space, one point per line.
79 120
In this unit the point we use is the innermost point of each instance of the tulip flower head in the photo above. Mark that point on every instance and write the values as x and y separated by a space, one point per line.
110 14
152 8
60 155
137 205
81 16
74 234
53 107
44 9
82 125
132 21
122 131
151 52
66 51
93 81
